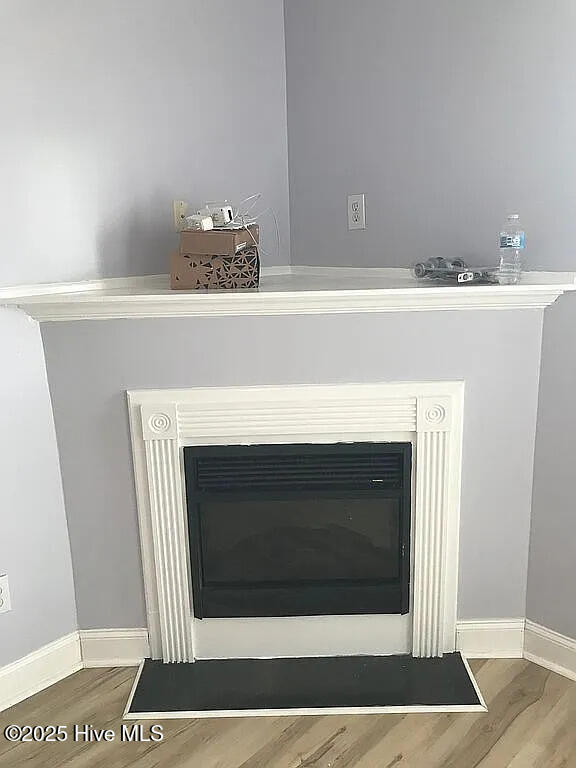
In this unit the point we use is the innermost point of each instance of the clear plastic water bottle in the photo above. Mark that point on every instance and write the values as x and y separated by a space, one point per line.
512 243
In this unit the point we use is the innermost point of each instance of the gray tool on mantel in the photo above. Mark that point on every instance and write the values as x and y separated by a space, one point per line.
452 271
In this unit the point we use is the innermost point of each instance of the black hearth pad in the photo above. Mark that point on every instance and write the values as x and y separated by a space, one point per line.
236 685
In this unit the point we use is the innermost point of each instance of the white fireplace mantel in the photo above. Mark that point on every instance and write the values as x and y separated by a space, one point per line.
283 291
429 414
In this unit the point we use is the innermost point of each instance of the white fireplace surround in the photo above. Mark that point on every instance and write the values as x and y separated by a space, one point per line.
429 414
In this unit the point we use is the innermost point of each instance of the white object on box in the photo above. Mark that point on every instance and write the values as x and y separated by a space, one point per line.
221 213
199 221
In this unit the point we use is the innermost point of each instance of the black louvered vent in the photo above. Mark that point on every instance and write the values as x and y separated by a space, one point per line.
353 470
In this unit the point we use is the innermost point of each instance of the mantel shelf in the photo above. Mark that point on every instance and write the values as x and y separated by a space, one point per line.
283 291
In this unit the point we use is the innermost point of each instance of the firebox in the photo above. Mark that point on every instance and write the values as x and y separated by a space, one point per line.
299 530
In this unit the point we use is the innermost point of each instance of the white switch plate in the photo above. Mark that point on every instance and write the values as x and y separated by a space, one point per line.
5 604
356 212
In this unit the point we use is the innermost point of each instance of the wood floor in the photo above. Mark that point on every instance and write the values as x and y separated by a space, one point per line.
531 723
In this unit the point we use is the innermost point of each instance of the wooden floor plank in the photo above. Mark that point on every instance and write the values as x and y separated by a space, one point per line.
531 723
552 744
522 729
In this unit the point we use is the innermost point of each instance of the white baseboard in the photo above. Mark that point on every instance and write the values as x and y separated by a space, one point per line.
550 649
491 639
114 647
39 669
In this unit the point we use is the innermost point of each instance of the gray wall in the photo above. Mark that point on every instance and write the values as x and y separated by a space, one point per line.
552 569
111 109
447 114
103 124
91 365
409 103
34 546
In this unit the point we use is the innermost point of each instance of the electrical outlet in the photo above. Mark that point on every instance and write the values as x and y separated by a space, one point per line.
179 211
5 604
356 212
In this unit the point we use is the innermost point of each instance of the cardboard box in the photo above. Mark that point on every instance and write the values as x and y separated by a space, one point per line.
217 259
218 242
194 271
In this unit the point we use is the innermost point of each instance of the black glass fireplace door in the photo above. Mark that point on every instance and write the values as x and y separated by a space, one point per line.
299 530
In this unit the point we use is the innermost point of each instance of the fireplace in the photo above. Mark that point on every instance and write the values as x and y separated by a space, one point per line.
299 530
208 595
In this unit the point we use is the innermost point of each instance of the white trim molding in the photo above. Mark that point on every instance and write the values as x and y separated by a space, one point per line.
283 291
491 638
417 709
476 639
163 421
550 649
39 669
113 647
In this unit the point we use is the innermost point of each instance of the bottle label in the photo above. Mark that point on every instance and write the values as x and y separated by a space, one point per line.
517 240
